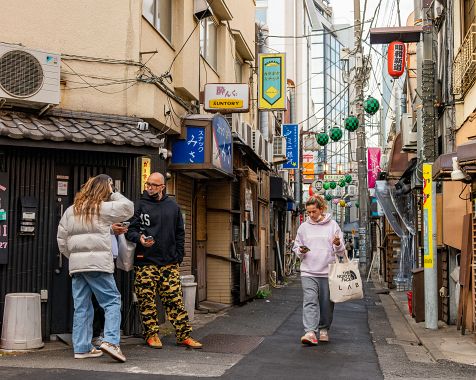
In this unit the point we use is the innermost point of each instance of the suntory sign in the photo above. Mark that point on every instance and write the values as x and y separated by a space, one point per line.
226 97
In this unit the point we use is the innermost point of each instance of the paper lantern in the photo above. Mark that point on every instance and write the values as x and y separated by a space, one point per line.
357 204
342 183
348 178
311 193
328 197
322 139
351 123
335 134
333 185
371 105
396 59
335 201
342 203
326 185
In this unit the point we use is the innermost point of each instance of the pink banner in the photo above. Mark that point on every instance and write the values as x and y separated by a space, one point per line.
373 166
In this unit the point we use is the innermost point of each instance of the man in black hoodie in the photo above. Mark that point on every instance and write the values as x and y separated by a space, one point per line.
157 229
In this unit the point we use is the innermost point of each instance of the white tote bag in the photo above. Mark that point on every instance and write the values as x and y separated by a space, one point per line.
125 258
345 283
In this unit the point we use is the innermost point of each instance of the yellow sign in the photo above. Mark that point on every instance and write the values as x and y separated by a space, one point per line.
226 103
272 82
428 216
145 171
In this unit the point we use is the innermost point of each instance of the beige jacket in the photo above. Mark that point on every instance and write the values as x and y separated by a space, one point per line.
88 246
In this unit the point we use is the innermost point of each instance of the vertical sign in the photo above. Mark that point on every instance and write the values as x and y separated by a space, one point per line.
308 165
222 141
4 186
272 82
291 133
428 216
192 149
373 166
145 171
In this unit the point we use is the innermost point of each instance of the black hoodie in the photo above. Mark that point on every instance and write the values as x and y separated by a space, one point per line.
163 220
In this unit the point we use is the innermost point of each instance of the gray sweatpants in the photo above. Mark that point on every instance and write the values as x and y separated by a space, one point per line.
317 306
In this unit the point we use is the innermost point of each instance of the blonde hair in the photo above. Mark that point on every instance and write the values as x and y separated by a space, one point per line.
318 201
88 200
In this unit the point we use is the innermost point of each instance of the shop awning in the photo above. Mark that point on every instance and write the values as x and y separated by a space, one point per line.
77 130
443 166
398 161
466 154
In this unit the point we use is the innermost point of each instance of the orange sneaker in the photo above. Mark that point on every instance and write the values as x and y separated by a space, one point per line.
154 342
190 342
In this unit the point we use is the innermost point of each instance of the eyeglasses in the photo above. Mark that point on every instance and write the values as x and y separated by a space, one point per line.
155 185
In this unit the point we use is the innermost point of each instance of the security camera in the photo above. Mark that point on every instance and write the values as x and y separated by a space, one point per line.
164 153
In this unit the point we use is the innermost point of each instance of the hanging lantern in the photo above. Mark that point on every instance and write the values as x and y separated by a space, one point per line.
357 204
342 183
371 105
328 197
342 203
351 123
396 59
326 185
349 204
333 185
335 201
348 178
322 139
311 193
335 134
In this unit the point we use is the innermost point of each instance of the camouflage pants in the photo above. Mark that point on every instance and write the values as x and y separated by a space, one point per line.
151 280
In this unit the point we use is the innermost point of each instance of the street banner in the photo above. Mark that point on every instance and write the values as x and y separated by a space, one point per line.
428 216
291 133
272 82
145 171
373 166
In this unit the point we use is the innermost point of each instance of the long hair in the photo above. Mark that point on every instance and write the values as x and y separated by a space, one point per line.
88 200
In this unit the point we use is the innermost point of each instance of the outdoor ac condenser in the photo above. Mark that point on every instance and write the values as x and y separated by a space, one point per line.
29 78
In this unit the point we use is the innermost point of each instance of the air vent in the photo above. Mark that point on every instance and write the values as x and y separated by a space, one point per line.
21 75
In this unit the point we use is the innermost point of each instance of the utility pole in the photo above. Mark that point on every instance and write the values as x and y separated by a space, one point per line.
360 74
428 142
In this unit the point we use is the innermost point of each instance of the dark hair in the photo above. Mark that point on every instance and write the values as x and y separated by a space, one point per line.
318 201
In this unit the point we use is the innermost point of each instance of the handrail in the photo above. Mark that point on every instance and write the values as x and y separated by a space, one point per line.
464 64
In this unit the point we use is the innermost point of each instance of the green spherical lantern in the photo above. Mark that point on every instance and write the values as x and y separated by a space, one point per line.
371 105
322 139
328 197
333 185
351 123
348 178
342 183
357 204
326 185
335 134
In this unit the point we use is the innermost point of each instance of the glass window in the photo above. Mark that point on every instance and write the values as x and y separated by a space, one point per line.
208 41
261 15
159 14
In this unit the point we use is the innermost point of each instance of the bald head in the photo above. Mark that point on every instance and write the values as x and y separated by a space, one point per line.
156 177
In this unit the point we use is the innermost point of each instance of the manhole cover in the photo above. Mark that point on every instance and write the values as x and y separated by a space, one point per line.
230 344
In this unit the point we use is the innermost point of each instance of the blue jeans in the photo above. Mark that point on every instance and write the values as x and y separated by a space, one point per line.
103 285
318 309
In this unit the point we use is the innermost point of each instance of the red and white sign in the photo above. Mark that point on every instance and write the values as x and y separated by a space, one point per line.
373 166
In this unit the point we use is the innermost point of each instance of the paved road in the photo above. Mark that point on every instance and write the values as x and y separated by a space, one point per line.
259 340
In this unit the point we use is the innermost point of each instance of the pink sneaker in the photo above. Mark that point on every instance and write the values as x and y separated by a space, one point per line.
309 339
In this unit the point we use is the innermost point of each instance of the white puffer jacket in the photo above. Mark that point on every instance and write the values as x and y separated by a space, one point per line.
88 245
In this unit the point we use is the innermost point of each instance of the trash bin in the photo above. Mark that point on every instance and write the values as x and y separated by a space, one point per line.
21 328
189 289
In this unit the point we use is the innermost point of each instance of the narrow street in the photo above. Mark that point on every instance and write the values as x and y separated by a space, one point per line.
259 340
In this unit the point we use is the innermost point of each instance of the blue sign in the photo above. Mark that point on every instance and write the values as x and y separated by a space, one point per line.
192 149
291 132
222 144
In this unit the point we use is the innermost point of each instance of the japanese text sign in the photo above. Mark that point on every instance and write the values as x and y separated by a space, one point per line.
192 149
428 257
145 171
222 145
291 133
226 97
272 82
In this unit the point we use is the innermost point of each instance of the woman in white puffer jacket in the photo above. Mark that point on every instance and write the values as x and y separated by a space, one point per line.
84 237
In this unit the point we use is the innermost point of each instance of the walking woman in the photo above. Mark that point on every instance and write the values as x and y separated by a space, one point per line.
318 241
84 237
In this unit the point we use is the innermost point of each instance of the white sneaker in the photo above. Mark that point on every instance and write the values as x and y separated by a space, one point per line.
94 353
324 335
309 339
113 350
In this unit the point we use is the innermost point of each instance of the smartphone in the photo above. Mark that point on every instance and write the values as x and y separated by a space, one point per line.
125 224
148 238
304 248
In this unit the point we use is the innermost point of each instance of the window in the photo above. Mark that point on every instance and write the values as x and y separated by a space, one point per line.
208 41
159 14
261 15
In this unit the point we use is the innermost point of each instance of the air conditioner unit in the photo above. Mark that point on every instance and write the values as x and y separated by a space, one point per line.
279 146
265 153
409 138
247 133
234 120
28 77
257 143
